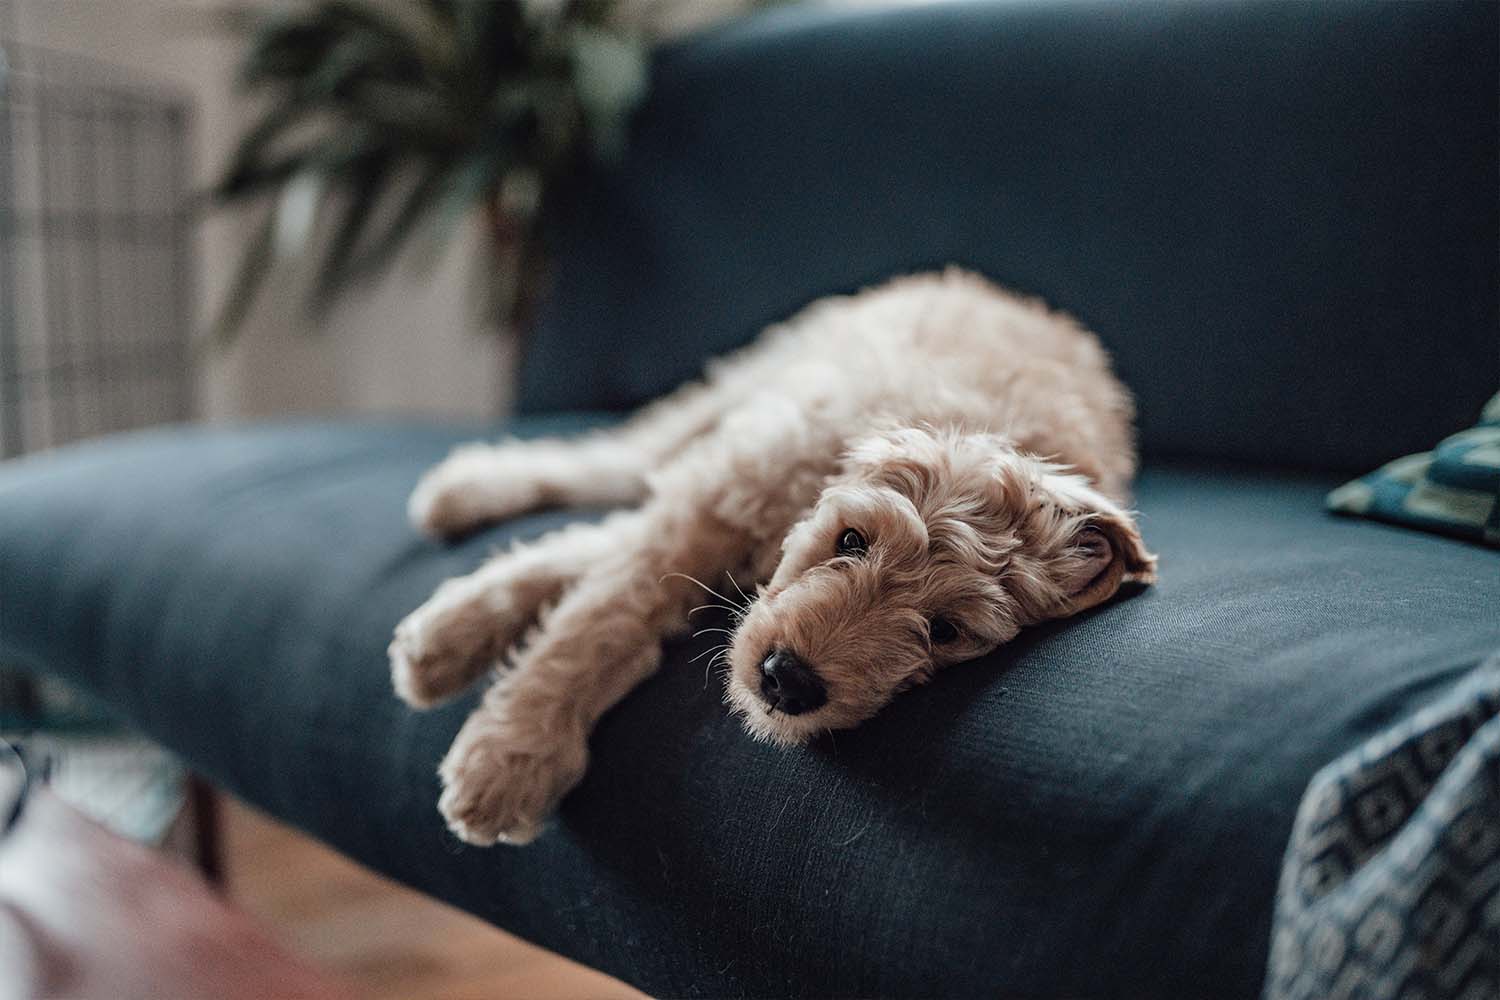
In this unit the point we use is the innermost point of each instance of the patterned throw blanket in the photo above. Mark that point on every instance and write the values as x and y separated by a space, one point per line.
1391 884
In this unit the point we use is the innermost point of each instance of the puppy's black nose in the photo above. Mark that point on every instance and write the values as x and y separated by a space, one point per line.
789 684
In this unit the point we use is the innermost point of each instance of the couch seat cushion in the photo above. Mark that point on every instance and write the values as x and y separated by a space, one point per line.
1100 807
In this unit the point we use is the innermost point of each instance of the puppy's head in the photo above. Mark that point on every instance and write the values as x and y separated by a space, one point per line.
928 548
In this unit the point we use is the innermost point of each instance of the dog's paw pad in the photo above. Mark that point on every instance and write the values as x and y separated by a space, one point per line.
410 677
433 659
437 508
498 791
474 486
472 820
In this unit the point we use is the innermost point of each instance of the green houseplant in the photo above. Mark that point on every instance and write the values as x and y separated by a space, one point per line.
380 120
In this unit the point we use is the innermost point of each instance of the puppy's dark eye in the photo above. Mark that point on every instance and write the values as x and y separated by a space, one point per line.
851 543
941 631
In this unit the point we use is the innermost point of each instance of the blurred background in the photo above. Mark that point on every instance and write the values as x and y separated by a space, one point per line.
122 121
118 111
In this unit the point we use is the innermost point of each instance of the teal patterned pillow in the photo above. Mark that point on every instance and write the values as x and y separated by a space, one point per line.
1453 489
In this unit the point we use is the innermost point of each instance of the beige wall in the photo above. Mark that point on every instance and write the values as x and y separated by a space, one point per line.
412 343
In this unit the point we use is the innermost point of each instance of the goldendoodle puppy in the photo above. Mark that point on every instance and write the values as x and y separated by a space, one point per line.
906 477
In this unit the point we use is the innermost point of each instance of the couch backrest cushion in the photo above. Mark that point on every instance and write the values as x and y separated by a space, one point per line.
1281 218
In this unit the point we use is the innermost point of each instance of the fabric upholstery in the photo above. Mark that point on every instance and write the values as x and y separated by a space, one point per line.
1099 808
1281 218
1453 489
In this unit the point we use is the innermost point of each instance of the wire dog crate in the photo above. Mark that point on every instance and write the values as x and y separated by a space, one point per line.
95 321
95 258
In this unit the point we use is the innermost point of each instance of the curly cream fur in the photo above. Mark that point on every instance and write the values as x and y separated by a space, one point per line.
977 441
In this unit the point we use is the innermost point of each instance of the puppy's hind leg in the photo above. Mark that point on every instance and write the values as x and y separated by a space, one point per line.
483 483
471 621
480 484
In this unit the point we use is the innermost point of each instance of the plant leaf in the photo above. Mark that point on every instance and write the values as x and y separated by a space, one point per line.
248 170
283 46
255 264
365 186
381 250
417 118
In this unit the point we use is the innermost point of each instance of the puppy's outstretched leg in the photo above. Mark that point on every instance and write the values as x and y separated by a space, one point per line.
482 483
470 621
526 745
724 504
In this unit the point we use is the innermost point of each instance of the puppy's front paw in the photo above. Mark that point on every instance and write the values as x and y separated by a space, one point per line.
475 485
423 676
501 781
443 646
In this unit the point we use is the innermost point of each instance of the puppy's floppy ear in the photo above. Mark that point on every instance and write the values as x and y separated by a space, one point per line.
1103 550
1107 551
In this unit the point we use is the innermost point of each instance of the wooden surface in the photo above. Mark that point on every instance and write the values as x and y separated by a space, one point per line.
388 941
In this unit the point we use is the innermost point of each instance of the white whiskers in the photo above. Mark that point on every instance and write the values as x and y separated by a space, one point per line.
718 654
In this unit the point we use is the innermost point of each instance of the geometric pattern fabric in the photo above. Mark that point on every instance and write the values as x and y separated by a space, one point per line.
1453 489
1391 883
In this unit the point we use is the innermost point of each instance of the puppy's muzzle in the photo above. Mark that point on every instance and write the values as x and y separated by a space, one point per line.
789 685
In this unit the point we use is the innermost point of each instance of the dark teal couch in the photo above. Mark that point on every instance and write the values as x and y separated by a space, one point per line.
1281 219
